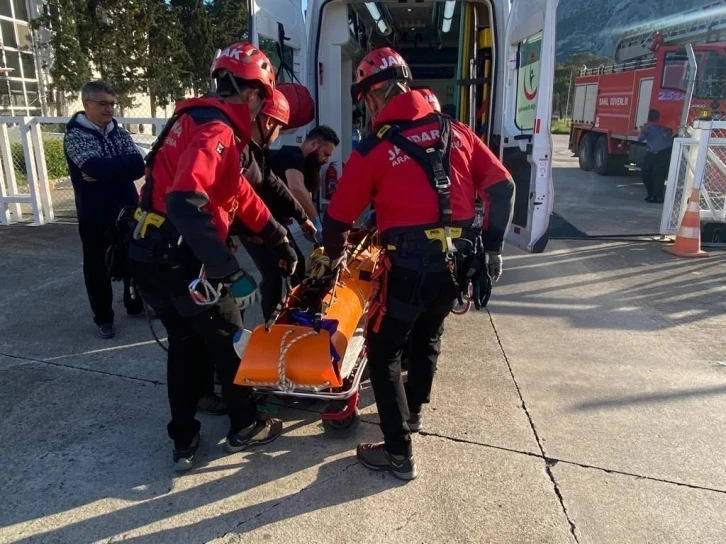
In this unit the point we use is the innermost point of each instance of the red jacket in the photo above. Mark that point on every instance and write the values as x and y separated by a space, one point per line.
198 184
400 190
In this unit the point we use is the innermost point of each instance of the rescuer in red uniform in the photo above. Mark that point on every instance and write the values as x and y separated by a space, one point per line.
274 192
421 171
193 191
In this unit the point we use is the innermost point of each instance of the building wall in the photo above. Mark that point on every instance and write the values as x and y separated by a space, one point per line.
20 89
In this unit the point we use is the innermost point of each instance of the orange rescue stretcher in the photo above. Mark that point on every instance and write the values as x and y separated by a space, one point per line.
314 345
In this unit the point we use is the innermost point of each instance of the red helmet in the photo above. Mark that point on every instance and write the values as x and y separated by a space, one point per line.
277 107
430 97
378 67
244 61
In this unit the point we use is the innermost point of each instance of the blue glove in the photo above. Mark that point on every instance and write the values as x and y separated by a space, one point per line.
243 288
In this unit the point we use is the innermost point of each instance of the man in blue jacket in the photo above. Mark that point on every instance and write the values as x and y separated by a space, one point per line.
103 162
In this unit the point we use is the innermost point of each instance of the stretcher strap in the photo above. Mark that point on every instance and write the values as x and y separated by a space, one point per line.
379 278
283 382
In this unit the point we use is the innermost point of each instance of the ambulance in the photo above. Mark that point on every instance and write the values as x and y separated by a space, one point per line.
490 62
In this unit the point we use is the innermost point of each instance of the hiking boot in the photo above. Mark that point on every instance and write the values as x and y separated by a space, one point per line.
184 458
106 331
414 422
375 457
263 431
212 405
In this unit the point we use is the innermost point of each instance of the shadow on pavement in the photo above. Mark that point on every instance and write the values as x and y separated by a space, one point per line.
634 286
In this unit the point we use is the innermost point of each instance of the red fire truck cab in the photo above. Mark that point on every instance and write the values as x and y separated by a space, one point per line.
612 103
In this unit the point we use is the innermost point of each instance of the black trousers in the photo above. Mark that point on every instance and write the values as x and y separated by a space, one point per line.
267 263
416 306
198 338
655 172
95 240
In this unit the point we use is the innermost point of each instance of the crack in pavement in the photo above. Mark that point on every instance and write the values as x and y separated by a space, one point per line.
81 369
552 461
548 467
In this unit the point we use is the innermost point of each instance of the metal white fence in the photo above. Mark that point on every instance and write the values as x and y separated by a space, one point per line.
34 181
699 156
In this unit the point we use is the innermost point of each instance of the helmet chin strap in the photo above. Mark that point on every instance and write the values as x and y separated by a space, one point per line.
253 112
265 137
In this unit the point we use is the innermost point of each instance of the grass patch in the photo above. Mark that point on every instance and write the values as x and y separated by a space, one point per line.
55 160
561 126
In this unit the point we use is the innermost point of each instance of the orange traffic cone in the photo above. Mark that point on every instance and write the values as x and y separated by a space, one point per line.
688 239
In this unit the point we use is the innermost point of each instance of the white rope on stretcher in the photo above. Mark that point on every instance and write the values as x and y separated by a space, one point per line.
284 383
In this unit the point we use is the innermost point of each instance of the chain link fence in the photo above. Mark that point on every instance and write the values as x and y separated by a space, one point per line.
688 167
34 178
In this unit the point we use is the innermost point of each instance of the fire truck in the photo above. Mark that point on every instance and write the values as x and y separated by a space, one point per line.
652 69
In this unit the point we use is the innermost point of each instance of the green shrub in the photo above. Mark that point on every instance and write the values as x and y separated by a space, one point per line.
561 126
55 160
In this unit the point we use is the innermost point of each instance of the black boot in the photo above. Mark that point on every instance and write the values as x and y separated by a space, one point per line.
375 457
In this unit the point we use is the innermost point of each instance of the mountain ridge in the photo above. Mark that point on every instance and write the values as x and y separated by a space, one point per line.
596 25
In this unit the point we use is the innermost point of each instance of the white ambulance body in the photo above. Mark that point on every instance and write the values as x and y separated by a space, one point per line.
490 63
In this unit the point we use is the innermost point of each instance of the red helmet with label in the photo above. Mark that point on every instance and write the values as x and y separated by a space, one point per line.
277 107
245 61
376 69
430 97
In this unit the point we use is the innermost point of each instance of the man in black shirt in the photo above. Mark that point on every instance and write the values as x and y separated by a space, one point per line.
300 168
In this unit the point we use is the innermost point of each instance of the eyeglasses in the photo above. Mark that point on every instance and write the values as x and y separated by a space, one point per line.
103 103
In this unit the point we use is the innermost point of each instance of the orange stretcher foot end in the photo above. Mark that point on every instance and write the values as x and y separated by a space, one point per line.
288 354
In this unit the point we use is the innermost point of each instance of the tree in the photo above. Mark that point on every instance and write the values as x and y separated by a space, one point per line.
198 40
229 20
59 29
565 74
166 73
118 45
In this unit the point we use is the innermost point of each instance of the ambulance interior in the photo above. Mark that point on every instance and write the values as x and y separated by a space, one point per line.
448 46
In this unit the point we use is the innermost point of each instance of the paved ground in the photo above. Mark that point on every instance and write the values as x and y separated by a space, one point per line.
600 205
589 406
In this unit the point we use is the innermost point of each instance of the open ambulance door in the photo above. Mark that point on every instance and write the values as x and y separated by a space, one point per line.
277 27
526 145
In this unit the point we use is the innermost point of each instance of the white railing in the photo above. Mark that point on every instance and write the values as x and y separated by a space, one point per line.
23 154
700 156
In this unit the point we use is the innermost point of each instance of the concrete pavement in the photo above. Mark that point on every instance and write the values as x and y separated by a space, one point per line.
600 205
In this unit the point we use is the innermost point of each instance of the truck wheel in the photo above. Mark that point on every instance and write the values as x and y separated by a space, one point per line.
606 164
585 152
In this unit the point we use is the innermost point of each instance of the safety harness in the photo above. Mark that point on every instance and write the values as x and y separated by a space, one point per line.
435 160
144 214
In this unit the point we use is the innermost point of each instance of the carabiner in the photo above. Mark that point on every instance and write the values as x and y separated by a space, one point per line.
450 247
207 295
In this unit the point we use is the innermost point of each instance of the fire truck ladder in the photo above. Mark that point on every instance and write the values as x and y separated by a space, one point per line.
705 24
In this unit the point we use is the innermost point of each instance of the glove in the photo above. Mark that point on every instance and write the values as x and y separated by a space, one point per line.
481 284
287 257
243 288
494 265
